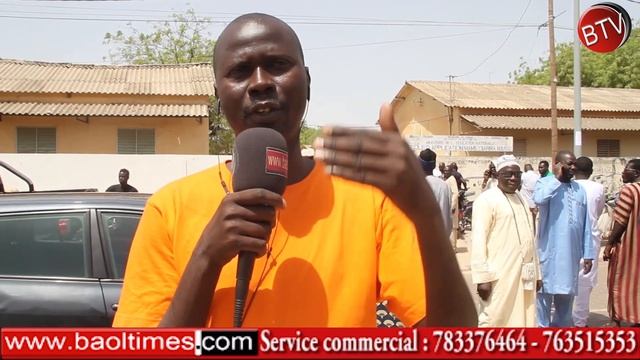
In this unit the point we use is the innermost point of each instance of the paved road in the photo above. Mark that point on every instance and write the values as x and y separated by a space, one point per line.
598 306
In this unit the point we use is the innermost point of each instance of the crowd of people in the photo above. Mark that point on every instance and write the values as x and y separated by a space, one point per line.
535 240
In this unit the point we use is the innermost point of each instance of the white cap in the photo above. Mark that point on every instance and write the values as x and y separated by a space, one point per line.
505 160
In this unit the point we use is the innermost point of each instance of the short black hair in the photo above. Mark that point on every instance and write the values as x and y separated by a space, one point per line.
584 165
635 164
544 162
124 171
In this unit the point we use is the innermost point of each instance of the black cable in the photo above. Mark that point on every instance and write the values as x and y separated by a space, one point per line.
501 45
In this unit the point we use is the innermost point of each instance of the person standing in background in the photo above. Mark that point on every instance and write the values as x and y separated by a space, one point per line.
490 178
122 186
529 180
543 168
451 181
595 205
440 189
564 237
439 172
504 264
622 250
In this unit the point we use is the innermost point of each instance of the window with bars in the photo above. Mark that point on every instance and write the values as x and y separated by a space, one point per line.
136 141
519 147
608 148
36 140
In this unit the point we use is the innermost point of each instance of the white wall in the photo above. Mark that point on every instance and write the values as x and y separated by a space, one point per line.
148 173
151 172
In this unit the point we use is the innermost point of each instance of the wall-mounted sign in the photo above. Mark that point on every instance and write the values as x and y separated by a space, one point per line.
461 143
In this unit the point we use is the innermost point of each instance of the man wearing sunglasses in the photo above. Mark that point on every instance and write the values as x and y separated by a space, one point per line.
504 264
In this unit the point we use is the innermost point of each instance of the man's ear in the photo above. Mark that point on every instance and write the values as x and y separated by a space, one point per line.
306 69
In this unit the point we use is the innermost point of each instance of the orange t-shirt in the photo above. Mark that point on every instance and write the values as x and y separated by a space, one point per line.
337 248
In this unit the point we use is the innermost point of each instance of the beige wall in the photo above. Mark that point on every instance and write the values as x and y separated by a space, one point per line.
539 142
173 135
419 114
99 136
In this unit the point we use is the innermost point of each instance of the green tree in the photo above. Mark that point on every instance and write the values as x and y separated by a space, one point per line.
181 40
618 69
308 134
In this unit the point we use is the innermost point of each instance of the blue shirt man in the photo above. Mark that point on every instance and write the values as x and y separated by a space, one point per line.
563 239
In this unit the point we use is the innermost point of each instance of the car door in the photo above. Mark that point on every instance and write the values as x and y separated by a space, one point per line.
117 229
46 276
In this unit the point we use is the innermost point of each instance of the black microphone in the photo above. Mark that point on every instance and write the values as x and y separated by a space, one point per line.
260 160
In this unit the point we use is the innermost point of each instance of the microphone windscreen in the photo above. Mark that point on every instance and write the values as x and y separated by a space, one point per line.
260 160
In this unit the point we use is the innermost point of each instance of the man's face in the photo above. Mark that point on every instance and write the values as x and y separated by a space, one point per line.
442 167
568 162
123 177
509 178
543 168
260 78
447 171
629 174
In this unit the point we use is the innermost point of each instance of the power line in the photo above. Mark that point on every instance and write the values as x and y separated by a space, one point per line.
101 19
402 40
501 45
224 21
364 20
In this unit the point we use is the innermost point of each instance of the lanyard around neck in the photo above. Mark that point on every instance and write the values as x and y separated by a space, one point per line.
515 220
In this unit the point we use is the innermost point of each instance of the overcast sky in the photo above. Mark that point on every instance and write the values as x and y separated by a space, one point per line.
360 52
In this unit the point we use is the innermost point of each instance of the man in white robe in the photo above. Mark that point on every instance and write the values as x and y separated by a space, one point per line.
504 262
453 185
595 206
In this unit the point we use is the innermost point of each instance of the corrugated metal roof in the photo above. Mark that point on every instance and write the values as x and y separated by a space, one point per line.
17 76
75 109
525 97
544 123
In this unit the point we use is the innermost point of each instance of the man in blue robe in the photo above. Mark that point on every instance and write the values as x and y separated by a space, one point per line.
563 239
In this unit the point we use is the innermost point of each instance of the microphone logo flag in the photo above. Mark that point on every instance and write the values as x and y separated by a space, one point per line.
277 162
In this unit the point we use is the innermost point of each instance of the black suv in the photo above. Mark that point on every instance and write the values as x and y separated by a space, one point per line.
62 256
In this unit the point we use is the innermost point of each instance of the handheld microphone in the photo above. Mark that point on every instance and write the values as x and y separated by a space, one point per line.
260 160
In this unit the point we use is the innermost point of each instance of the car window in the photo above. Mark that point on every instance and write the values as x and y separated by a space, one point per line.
45 245
119 229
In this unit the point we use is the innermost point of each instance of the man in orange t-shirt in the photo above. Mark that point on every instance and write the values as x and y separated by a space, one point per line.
351 228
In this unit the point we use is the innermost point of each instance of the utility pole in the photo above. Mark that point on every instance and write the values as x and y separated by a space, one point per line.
450 107
577 83
553 84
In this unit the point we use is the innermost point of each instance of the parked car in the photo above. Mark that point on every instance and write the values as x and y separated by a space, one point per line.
63 255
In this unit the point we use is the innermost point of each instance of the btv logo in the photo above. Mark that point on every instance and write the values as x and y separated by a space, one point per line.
604 27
